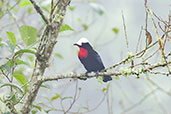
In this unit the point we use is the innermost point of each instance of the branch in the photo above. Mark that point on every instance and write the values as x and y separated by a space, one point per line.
126 37
11 108
39 11
139 102
116 73
74 99
44 52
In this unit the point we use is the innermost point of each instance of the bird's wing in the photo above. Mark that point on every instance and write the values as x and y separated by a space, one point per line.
98 60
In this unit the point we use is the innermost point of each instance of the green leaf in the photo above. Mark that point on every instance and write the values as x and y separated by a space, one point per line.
34 111
65 27
85 26
115 30
97 8
45 86
10 46
55 97
7 66
24 3
20 78
59 55
38 107
10 63
11 37
79 88
25 51
19 62
72 8
12 85
28 34
64 98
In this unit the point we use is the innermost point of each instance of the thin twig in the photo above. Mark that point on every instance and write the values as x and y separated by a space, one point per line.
126 37
10 8
151 55
139 102
161 89
97 106
6 75
39 11
74 100
139 38
157 33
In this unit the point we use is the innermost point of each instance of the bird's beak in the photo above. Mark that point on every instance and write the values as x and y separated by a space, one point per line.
76 45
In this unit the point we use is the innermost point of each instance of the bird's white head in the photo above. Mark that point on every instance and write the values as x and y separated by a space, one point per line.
81 41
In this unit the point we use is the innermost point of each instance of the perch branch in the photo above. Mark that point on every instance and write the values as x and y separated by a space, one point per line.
116 73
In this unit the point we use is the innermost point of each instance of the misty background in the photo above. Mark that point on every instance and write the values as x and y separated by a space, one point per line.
125 92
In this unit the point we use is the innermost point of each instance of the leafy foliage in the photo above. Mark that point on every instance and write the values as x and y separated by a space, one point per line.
85 26
24 3
28 34
59 55
12 38
20 78
72 8
115 30
55 97
12 85
10 46
37 107
22 51
66 27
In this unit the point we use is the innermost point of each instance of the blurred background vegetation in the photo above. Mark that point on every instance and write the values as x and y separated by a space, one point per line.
101 22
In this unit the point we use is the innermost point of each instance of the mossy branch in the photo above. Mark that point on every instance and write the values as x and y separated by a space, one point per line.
44 51
123 72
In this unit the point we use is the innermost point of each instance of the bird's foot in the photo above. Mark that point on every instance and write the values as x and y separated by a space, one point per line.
89 74
97 73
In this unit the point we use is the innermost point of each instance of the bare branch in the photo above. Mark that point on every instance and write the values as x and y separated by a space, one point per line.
139 102
126 37
74 100
139 38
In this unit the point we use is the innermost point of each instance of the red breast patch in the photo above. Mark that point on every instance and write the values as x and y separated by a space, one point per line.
82 53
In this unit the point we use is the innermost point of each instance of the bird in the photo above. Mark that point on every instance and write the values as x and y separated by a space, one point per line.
90 58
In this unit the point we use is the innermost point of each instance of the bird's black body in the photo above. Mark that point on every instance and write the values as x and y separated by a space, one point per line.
92 62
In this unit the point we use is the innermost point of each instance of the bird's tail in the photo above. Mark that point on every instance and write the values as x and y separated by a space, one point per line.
107 78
